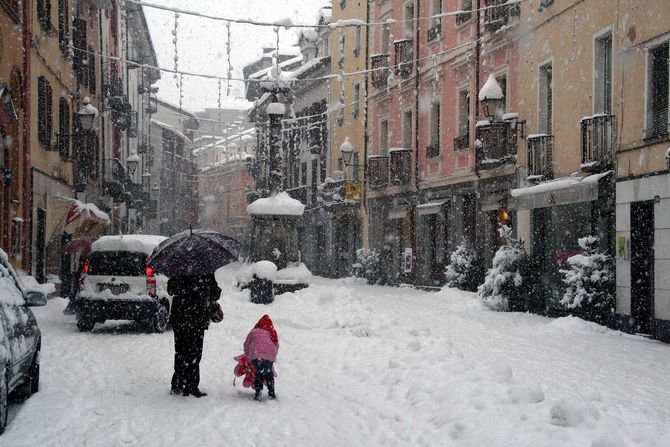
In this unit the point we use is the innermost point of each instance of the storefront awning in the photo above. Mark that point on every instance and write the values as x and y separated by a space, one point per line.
562 191
429 208
85 219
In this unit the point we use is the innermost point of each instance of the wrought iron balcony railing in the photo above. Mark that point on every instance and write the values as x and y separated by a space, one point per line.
378 172
497 14
462 142
598 141
540 157
434 32
404 57
400 166
379 64
497 144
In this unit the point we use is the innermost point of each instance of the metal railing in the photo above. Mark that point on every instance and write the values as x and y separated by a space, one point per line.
540 156
498 142
379 64
400 167
462 142
378 172
404 57
466 14
598 139
434 32
497 14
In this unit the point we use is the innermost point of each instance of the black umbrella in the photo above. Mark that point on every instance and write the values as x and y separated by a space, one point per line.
194 252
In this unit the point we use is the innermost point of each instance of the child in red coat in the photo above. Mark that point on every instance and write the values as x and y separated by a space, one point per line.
261 347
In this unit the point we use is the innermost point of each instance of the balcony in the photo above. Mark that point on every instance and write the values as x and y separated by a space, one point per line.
497 144
339 192
466 14
113 86
598 141
497 14
115 179
432 150
404 57
462 142
400 166
434 33
379 64
540 156
378 172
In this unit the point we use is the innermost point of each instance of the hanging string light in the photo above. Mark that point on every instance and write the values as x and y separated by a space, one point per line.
230 67
176 51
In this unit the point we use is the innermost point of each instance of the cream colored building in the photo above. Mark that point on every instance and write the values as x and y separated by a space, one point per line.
349 50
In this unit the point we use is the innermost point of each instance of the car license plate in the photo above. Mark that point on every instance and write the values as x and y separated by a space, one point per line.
116 289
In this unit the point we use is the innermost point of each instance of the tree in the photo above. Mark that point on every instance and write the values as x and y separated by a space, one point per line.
463 272
505 282
590 281
368 265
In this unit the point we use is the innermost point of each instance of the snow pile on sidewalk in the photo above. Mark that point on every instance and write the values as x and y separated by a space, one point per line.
358 365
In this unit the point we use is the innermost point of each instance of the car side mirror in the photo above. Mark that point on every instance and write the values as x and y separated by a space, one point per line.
35 298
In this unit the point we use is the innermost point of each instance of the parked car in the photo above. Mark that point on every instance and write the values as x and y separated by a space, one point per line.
118 284
20 338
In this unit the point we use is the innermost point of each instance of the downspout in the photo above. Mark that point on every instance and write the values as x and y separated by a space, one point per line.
477 81
416 141
364 183
26 243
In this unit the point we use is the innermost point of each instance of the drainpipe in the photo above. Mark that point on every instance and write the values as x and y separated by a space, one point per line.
416 102
26 243
364 183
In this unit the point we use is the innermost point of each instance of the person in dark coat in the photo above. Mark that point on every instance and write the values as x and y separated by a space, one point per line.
194 305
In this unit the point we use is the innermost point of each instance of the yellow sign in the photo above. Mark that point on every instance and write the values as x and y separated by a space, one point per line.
352 191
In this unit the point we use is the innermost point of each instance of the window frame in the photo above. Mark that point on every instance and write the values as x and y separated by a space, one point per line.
650 132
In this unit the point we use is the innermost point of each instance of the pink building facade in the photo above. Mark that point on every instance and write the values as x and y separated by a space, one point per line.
449 167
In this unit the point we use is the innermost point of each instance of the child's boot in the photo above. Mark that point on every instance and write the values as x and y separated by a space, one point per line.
271 388
257 396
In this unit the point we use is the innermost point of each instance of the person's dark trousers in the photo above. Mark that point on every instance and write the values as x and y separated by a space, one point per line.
264 374
188 352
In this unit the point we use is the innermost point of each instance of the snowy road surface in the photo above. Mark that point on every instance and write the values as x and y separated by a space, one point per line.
358 366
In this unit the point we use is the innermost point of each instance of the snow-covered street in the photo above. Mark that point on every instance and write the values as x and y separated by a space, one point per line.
358 365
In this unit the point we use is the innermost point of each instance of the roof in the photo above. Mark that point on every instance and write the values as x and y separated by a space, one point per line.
142 243
171 129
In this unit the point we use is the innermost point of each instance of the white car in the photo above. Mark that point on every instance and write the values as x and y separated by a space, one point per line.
118 284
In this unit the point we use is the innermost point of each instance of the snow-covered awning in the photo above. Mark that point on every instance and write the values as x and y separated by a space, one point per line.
563 191
85 219
280 204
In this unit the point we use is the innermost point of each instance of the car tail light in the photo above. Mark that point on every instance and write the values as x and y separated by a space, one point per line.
82 275
151 281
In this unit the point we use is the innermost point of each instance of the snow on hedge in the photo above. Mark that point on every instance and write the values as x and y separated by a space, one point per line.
279 204
462 270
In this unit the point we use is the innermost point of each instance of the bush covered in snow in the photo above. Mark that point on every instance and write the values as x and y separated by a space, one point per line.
590 281
505 283
368 265
464 270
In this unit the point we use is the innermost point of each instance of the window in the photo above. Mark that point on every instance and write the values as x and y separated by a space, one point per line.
80 58
357 43
407 130
386 39
44 112
44 14
340 61
16 238
343 4
502 82
546 90
437 9
357 99
434 147
356 164
657 91
63 26
64 129
303 173
463 112
409 20
466 6
315 173
602 73
90 78
384 137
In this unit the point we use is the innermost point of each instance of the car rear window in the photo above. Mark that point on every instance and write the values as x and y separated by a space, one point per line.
117 263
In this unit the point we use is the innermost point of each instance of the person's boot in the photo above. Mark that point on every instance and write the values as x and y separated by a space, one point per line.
257 396
195 393
271 390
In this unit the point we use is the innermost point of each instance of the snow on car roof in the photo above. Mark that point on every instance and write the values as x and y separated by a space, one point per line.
143 243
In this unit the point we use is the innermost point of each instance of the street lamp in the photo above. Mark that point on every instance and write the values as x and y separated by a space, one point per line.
87 114
146 180
133 161
347 151
491 98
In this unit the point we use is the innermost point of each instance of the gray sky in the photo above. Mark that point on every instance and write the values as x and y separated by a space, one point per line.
201 43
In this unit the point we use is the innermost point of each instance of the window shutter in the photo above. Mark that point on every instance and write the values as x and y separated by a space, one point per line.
79 42
659 97
91 71
49 115
41 110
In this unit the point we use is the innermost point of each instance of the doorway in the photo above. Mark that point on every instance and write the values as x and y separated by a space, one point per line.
642 265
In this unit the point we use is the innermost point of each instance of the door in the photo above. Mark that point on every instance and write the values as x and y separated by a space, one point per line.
642 265
40 263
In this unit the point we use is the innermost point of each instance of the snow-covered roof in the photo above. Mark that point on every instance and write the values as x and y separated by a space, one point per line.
171 129
280 204
287 63
306 67
142 243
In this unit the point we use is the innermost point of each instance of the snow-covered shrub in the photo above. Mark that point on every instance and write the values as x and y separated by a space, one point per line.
590 281
505 282
368 260
463 271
